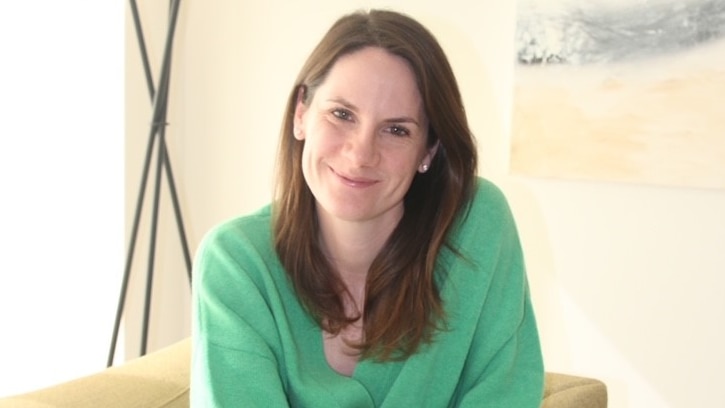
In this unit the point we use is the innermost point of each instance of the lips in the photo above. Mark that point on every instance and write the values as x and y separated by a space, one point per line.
354 181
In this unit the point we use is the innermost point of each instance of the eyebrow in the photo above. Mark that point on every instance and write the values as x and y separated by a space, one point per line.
349 105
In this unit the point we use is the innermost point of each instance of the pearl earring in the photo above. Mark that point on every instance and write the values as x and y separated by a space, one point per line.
423 168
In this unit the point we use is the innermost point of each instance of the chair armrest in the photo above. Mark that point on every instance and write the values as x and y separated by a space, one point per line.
566 391
156 380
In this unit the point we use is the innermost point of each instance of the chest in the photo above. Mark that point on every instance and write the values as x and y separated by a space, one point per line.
340 354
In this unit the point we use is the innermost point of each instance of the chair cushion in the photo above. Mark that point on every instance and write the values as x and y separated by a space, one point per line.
157 380
566 391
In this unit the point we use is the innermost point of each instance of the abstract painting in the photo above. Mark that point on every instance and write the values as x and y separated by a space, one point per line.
621 91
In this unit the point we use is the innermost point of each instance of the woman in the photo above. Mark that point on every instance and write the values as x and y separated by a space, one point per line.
385 273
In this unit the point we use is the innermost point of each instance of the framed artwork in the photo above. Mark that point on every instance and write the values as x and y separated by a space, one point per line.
622 91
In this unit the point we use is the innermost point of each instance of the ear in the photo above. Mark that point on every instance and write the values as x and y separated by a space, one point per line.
428 158
433 150
300 110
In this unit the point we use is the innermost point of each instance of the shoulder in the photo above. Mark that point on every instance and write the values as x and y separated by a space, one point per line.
245 240
487 210
488 198
251 229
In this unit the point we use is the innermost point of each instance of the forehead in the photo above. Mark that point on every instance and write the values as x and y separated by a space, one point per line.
373 74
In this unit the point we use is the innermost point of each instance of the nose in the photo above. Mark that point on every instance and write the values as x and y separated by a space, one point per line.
361 147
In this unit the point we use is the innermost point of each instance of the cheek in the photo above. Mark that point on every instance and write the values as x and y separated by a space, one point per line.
315 150
320 139
309 152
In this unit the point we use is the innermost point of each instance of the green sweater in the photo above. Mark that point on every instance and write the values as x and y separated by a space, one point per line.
255 345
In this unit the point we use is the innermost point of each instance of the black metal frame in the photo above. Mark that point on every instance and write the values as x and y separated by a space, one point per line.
159 99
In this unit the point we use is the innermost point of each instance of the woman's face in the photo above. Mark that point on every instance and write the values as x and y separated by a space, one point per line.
365 133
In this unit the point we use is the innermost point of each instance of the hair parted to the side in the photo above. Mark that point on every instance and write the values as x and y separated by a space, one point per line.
402 307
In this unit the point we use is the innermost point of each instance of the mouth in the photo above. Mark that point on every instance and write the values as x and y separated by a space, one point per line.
354 181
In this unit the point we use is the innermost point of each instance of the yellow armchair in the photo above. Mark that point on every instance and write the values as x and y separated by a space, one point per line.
161 380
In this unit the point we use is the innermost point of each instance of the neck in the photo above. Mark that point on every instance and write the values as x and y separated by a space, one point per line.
351 247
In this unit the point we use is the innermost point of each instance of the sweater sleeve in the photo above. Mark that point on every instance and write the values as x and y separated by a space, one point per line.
514 376
504 367
233 333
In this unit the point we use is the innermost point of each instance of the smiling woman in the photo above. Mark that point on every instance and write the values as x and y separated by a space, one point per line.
359 156
385 273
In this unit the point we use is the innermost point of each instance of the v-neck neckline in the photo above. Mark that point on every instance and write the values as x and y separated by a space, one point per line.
321 359
369 378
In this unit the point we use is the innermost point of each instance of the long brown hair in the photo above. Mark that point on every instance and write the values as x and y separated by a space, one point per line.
402 308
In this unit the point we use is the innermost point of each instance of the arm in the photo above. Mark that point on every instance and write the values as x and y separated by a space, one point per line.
514 376
504 367
233 363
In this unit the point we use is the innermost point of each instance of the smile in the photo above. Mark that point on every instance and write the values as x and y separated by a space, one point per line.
354 181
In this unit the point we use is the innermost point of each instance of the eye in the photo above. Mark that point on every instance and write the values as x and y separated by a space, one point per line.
343 114
399 130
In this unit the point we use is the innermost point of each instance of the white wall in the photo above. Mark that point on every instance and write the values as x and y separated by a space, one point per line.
625 277
61 177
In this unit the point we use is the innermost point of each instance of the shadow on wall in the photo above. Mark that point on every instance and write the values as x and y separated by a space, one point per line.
541 271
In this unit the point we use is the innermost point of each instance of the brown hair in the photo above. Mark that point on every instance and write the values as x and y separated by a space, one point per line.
402 307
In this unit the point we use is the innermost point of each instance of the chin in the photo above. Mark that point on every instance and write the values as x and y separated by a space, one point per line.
349 213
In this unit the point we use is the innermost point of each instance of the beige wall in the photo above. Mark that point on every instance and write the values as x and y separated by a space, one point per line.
626 278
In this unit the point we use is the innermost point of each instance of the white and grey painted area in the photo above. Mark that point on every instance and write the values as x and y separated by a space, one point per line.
568 32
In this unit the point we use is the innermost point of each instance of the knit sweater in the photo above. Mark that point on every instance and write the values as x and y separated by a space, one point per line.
254 344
